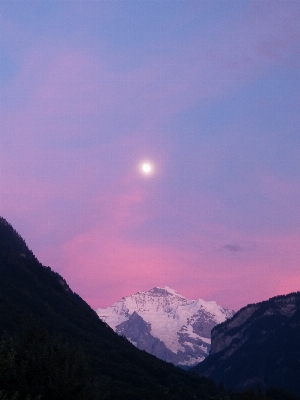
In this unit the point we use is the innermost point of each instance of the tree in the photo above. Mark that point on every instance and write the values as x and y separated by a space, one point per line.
42 366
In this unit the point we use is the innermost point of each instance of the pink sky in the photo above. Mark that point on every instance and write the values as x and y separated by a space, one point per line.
208 92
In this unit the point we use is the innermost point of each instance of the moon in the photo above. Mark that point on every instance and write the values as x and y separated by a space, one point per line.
146 168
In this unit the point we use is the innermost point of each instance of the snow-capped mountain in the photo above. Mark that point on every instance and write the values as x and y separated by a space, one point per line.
165 324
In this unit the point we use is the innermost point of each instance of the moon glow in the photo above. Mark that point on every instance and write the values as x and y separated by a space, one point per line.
146 168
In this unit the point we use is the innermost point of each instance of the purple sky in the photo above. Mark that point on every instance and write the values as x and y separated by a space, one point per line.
208 91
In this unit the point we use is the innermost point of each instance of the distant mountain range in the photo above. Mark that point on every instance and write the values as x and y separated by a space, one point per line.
258 347
53 346
166 324
40 315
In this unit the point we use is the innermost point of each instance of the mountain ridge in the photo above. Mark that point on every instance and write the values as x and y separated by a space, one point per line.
30 290
258 346
66 329
175 329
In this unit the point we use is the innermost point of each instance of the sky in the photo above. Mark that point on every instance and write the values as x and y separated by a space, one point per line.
207 92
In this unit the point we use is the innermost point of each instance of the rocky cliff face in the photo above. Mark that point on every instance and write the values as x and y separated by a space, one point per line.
164 323
258 346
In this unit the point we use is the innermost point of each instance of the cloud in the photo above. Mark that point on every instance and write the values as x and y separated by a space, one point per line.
233 247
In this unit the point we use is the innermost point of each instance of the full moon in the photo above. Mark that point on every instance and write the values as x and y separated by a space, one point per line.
146 168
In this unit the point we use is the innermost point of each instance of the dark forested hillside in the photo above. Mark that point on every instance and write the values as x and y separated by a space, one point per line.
53 345
34 298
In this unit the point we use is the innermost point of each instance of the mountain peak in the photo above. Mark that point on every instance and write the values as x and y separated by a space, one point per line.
164 291
182 326
39 310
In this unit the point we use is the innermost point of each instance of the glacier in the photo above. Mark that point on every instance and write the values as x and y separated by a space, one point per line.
166 324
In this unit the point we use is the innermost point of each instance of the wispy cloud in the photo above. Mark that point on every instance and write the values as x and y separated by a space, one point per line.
233 247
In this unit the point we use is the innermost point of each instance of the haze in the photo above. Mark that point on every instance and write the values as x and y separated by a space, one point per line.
208 92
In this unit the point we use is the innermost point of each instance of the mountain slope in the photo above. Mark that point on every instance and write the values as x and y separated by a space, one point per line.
30 290
164 323
258 346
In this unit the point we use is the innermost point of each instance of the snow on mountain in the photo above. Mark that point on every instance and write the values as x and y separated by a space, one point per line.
166 324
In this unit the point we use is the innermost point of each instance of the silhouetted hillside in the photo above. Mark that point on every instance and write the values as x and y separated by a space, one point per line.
54 347
31 292
258 347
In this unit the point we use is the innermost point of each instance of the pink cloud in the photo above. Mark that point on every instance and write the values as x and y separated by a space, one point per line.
102 261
